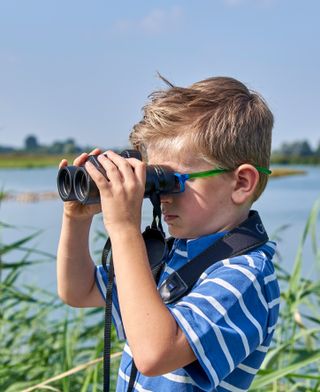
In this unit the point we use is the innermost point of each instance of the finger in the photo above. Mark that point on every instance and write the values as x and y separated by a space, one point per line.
112 171
123 164
139 168
80 160
95 151
63 163
133 170
98 177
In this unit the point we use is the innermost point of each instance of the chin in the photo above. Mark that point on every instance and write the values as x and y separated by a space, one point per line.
180 234
176 233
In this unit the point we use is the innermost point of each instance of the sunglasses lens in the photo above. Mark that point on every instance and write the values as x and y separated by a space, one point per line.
178 185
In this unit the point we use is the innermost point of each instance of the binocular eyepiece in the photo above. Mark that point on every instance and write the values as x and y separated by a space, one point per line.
75 184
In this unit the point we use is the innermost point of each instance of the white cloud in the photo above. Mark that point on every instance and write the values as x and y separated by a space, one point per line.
156 22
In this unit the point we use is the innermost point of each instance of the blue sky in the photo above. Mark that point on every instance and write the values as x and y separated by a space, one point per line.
84 69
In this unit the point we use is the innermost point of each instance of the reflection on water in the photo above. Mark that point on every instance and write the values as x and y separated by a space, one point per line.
286 201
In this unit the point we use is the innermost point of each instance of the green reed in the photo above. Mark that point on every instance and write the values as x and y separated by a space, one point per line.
41 338
293 362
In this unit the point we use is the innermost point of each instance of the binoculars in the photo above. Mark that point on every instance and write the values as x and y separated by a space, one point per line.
75 184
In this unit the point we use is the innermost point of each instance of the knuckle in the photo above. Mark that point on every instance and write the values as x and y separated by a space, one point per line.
112 168
143 165
101 181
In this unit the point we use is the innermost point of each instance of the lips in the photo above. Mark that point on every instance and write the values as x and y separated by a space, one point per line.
169 217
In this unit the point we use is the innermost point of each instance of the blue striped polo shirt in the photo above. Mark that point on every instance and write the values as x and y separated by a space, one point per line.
228 317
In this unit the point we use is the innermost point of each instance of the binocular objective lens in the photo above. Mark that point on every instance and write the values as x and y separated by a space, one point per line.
81 185
65 183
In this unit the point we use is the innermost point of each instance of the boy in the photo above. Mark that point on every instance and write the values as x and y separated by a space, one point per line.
215 337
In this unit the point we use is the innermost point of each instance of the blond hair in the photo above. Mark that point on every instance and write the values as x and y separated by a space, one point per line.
219 118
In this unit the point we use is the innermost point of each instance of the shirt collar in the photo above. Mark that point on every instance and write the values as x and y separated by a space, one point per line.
195 246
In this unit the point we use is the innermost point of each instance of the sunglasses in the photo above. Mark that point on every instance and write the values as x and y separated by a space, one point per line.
180 179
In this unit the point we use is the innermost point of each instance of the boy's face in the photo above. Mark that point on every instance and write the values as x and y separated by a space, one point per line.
204 207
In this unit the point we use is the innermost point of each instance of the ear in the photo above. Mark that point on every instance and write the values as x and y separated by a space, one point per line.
246 180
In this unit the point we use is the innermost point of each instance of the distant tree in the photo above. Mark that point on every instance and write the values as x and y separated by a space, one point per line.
298 149
304 149
31 143
317 150
5 149
69 146
56 148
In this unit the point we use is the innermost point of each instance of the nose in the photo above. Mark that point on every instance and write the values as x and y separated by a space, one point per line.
166 198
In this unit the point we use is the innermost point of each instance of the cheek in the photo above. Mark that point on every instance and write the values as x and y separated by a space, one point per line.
207 198
195 205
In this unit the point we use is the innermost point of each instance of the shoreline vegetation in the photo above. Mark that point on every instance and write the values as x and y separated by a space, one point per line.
27 161
31 161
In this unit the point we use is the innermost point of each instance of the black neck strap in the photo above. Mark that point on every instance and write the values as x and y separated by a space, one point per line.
156 203
107 264
154 238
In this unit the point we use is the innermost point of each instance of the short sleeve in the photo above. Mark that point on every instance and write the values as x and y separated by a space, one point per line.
224 318
101 278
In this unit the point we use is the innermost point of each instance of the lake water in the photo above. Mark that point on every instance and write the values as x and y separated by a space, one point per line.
286 201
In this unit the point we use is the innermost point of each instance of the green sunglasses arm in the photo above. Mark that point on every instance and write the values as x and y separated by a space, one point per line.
263 170
207 173
214 172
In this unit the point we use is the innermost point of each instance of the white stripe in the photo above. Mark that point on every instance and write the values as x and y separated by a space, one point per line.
250 261
271 245
245 310
262 254
198 345
273 303
115 314
192 239
216 330
224 313
231 388
203 276
263 349
253 279
178 379
271 329
118 323
169 376
127 349
247 369
168 270
102 286
137 386
182 253
270 278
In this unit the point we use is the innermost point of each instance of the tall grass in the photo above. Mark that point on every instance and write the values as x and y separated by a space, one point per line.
48 344
293 363
40 336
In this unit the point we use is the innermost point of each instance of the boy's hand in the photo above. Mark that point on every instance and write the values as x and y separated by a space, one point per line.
74 209
121 190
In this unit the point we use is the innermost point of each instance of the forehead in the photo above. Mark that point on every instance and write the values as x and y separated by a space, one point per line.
179 161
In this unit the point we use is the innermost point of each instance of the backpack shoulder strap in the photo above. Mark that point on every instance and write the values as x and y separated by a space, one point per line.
248 235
